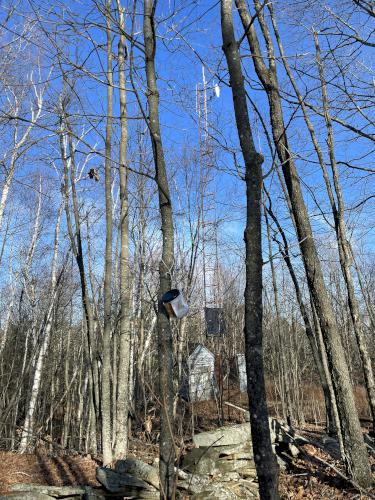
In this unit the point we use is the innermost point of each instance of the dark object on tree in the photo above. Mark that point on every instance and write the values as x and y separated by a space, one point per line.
175 304
215 324
93 174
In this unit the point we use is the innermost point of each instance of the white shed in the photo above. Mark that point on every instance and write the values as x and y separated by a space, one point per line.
201 364
241 367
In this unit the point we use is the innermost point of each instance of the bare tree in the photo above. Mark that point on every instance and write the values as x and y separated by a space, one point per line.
123 371
165 345
265 461
344 247
107 331
44 336
356 457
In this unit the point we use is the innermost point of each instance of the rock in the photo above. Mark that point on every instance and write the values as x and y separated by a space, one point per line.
194 483
139 469
233 490
124 484
216 491
239 456
225 466
293 450
52 491
93 493
235 434
231 476
26 495
238 434
148 495
248 472
220 461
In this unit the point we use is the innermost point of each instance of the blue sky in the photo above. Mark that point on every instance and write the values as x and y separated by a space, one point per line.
197 26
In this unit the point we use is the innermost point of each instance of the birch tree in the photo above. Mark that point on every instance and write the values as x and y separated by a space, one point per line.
44 336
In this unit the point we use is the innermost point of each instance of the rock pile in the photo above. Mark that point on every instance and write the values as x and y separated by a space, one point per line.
220 466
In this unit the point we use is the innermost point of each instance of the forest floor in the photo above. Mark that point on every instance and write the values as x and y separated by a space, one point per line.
306 478
314 475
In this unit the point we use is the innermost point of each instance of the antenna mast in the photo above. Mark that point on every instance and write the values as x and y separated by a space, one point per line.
208 216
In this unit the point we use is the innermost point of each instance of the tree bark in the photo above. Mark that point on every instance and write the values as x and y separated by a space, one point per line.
107 330
318 351
344 247
356 457
122 407
165 345
267 469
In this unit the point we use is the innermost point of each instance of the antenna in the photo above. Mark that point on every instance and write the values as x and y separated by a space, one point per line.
208 216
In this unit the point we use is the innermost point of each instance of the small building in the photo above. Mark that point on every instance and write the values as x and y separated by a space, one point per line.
241 370
201 373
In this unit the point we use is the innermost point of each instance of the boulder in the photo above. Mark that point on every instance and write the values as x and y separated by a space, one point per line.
26 495
52 491
223 436
123 484
238 434
140 469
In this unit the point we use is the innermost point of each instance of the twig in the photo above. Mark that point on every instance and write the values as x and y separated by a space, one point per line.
339 473
23 473
236 407
327 464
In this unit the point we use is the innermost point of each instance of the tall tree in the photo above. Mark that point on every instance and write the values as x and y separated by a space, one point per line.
266 465
356 457
122 406
343 243
107 330
44 335
165 344
68 157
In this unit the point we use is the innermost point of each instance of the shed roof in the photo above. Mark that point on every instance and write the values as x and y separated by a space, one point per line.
201 355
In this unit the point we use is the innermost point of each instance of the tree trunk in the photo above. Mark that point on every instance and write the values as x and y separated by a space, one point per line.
345 254
122 407
107 330
165 346
267 469
284 376
356 457
317 349
28 427
68 159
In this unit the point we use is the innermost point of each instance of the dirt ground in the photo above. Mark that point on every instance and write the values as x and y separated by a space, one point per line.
311 476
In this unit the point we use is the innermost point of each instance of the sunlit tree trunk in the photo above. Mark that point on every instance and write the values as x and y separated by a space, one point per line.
122 407
165 346
265 461
28 426
75 237
356 457
107 330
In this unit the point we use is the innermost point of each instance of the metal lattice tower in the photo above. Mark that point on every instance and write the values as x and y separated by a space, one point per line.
208 215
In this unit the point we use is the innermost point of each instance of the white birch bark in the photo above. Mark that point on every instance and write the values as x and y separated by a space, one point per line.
19 142
28 426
